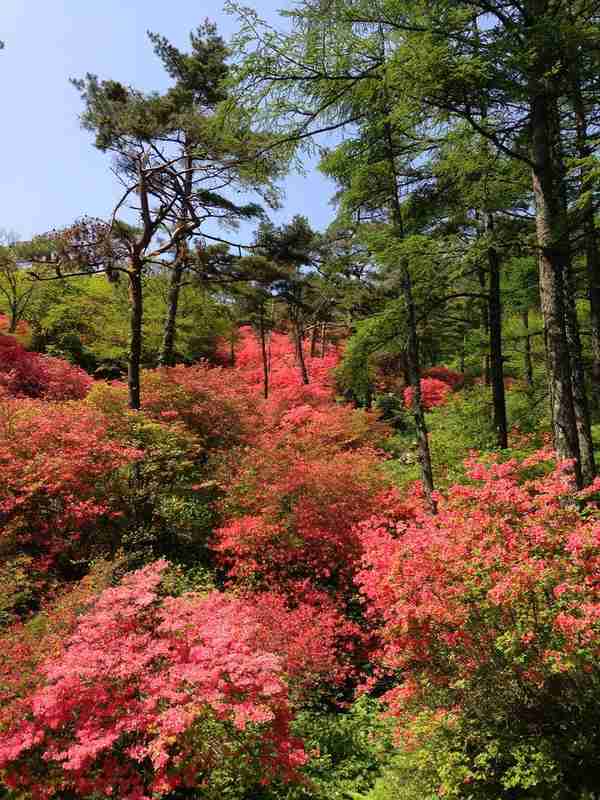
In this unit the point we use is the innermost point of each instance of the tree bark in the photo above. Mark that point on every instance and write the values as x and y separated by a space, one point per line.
232 349
263 350
495 331
550 230
300 352
412 350
135 336
591 242
314 337
580 402
13 319
414 375
167 351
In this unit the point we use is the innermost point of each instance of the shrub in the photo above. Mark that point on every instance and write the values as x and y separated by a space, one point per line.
454 379
489 610
150 693
434 393
56 465
25 374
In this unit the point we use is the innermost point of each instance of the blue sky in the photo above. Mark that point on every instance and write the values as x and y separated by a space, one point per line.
51 173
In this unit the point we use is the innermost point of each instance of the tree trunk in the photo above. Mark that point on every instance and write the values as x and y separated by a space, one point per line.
527 362
412 350
495 330
414 376
300 352
580 402
550 228
592 253
167 354
314 338
13 320
323 347
265 361
135 336
232 349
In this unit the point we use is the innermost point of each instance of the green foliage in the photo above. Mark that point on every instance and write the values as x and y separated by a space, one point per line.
17 588
461 425
450 758
166 512
86 321
347 749
382 332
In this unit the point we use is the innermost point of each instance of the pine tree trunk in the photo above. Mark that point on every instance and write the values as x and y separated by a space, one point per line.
300 352
414 375
167 351
550 228
495 329
135 335
323 347
314 337
412 350
591 239
263 351
580 404
232 349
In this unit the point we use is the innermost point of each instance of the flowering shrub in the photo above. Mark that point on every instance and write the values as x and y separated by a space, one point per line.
454 379
25 374
56 462
286 388
293 501
212 403
150 693
292 498
24 646
433 393
505 578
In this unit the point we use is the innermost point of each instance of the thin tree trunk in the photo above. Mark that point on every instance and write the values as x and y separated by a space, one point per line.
297 328
263 350
580 402
314 338
135 336
528 363
232 349
323 348
549 226
414 376
14 320
591 242
412 350
495 331
167 351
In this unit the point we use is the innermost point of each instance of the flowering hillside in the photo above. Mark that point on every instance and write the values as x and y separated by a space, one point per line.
263 565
